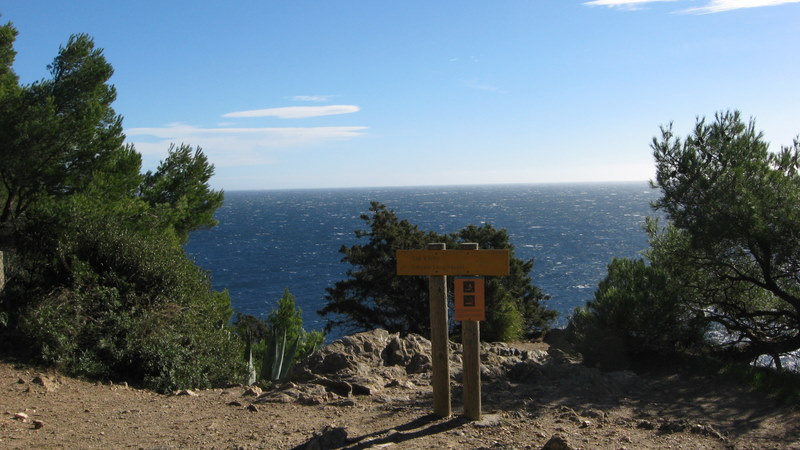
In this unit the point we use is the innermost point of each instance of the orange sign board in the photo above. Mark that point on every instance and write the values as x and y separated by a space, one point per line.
452 262
469 299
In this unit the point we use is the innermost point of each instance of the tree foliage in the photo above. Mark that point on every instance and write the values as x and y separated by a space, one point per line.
181 183
374 296
637 309
55 132
734 237
8 78
98 283
727 260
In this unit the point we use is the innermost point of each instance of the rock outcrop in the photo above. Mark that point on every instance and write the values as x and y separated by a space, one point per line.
368 363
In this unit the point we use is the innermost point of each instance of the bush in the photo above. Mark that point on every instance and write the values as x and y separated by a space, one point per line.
635 311
505 323
100 300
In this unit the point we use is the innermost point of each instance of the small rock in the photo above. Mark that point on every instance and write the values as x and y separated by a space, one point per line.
646 425
707 430
389 399
557 442
234 403
48 384
567 413
21 416
365 385
276 397
328 437
586 424
253 391
187 392
488 420
674 426
344 402
38 424
20 381
594 414
252 408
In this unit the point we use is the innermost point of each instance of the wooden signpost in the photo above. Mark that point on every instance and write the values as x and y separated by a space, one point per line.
436 262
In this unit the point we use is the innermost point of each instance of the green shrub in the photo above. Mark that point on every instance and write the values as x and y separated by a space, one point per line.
636 310
505 323
98 299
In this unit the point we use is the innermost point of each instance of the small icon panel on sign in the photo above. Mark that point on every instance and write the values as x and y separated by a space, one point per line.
469 286
469 299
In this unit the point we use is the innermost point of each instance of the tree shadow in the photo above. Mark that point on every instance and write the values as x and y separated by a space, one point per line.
707 398
426 425
660 397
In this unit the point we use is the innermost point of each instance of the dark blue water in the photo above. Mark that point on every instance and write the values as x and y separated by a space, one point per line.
270 240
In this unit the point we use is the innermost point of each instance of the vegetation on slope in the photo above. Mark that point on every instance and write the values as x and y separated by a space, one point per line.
97 282
727 261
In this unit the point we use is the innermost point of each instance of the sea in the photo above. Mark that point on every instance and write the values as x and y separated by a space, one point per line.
272 240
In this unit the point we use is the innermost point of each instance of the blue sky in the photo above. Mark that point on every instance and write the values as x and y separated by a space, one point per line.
335 93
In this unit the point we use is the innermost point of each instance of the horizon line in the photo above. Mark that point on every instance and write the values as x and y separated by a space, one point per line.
420 186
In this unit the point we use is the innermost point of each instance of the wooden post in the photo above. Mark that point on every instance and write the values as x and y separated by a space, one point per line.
440 346
470 340
436 263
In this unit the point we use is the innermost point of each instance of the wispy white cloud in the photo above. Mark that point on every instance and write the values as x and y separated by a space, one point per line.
170 131
626 4
474 84
715 6
229 146
712 6
297 112
311 98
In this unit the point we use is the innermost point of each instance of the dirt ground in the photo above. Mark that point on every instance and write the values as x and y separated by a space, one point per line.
664 410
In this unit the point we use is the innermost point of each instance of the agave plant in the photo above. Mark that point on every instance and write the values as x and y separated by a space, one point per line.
251 369
278 358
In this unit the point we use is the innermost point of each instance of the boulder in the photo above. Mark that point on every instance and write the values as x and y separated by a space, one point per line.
305 394
368 363
364 363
